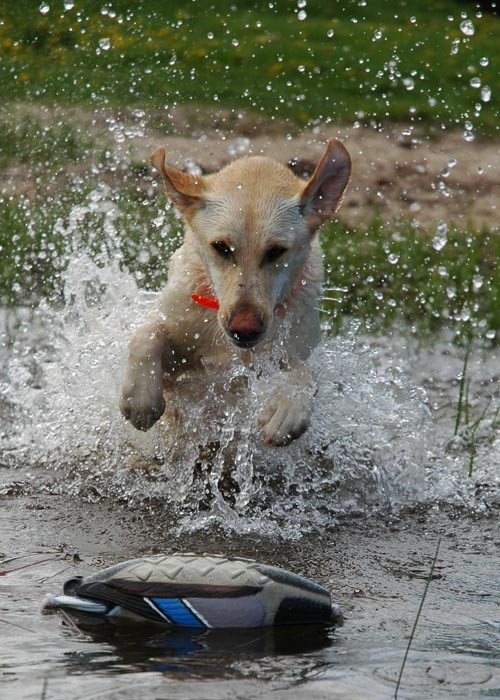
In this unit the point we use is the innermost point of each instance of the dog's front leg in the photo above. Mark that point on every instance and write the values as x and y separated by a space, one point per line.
151 361
287 413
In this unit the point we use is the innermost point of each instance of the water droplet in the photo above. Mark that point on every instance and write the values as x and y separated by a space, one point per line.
467 27
68 4
486 93
330 33
44 8
440 239
475 82
477 282
409 83
105 43
378 35
235 42
210 36
393 258
301 4
484 61
302 15
451 162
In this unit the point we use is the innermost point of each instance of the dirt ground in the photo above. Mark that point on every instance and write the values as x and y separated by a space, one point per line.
427 180
397 171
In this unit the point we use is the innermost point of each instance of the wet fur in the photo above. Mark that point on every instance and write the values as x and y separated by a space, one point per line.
250 241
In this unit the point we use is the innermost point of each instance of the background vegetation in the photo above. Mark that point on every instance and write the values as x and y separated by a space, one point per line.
294 60
298 63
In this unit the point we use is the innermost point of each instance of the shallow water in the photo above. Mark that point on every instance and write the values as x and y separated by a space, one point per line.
376 568
357 504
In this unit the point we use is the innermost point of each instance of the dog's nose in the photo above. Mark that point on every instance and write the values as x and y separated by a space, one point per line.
245 328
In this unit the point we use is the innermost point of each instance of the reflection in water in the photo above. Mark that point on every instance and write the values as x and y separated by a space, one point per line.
211 653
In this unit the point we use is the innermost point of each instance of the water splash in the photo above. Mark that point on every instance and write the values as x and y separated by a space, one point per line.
371 446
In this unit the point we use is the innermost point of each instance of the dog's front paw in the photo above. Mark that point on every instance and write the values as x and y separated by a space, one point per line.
284 419
142 403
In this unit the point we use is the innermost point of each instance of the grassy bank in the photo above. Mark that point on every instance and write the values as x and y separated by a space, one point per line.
430 63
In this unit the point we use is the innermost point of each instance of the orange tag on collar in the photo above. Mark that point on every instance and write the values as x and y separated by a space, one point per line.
209 302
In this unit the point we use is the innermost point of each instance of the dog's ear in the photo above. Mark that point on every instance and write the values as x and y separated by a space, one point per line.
185 191
322 195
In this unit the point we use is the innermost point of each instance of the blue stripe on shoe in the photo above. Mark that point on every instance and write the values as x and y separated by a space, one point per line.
177 612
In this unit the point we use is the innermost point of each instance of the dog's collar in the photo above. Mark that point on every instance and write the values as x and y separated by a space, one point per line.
208 302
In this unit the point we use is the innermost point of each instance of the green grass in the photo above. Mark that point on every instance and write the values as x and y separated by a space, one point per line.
45 145
467 429
38 237
344 61
394 273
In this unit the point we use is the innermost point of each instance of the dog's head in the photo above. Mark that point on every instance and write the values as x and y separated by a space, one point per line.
252 224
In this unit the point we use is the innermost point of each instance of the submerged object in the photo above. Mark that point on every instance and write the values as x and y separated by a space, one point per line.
207 592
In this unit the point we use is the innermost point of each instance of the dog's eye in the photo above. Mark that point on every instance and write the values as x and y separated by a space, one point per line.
222 249
273 254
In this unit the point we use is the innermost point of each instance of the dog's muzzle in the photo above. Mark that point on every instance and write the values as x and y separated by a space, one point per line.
245 328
